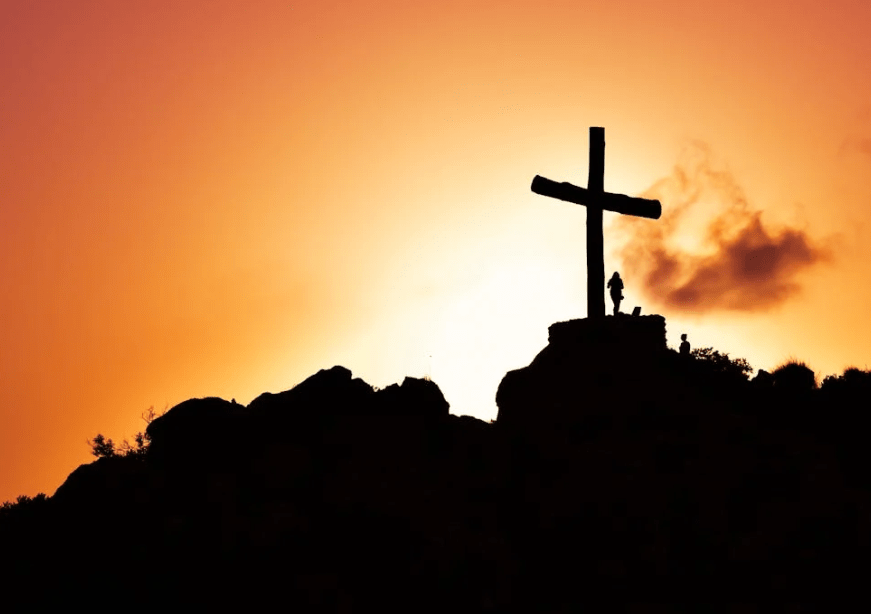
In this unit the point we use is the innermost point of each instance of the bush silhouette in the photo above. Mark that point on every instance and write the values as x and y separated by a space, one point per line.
22 506
101 447
851 381
721 363
794 376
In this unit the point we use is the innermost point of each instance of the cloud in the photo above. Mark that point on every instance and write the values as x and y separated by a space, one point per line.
711 251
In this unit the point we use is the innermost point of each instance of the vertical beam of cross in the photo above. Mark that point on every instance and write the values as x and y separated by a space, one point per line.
595 240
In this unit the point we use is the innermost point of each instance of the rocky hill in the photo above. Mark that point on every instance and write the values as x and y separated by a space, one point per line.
616 469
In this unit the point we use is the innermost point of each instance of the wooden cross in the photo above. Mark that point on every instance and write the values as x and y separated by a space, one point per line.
596 200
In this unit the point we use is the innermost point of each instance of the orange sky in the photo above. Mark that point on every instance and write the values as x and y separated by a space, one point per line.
219 198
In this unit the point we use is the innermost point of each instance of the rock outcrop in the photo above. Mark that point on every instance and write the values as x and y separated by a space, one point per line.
617 469
588 367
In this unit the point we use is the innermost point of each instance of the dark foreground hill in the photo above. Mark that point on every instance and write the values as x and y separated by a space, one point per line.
616 470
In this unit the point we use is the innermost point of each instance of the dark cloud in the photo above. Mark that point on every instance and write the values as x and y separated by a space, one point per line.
737 263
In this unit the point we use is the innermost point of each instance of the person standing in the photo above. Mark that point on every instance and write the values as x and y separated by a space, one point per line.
616 285
684 346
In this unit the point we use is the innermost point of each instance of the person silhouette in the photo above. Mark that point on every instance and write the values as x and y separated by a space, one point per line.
684 345
616 285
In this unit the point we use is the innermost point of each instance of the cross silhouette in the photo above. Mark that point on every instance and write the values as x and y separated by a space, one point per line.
596 200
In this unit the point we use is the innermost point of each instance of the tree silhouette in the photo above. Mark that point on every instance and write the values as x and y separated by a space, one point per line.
721 363
101 447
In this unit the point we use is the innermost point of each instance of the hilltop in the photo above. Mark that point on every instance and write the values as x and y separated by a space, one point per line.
616 468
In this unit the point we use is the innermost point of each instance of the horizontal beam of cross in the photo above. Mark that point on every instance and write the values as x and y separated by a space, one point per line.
619 203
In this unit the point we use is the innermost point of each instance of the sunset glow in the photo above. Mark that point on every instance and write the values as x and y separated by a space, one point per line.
220 198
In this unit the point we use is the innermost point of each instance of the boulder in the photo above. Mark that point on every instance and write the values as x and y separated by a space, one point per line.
327 393
194 427
588 366
103 485
415 397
